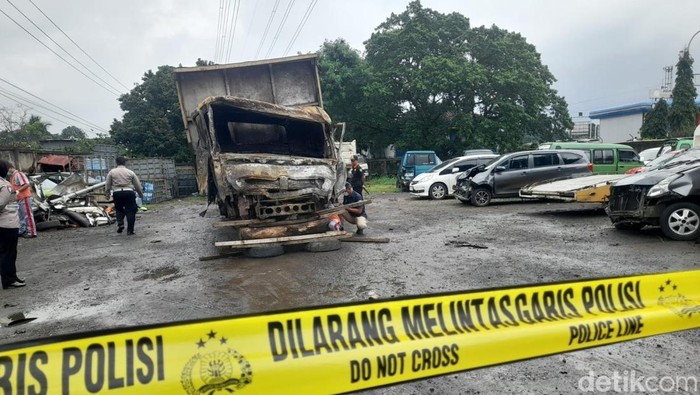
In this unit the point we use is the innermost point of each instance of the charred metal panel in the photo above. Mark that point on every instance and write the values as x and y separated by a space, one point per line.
290 81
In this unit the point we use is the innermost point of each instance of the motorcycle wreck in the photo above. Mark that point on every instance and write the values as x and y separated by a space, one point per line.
65 199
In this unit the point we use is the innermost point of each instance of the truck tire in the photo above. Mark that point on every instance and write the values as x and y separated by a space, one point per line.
323 246
264 252
681 221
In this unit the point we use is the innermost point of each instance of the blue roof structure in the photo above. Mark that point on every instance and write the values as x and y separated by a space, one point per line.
636 108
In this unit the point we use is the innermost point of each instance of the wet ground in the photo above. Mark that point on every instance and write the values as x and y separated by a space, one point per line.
90 279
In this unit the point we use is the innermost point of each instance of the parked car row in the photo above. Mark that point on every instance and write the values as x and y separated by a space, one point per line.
665 192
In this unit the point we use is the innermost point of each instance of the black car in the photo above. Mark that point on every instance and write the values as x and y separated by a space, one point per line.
668 197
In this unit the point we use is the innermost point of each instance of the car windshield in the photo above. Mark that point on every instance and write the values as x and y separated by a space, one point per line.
492 163
442 165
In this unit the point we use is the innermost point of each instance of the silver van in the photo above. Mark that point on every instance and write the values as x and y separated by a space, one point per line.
508 173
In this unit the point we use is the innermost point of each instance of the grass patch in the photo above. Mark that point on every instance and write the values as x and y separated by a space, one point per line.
381 184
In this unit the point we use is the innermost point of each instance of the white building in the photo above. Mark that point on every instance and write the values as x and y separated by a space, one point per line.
619 124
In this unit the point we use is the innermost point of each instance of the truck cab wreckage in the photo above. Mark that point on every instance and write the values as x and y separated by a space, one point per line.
265 148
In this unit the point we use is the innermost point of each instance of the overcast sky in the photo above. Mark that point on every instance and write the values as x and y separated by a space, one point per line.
603 53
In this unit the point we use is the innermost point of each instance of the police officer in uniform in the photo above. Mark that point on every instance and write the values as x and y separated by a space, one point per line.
123 184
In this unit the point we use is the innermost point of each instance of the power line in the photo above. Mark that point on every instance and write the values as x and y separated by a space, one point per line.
86 122
60 46
218 28
56 53
279 29
236 8
301 25
10 96
79 47
224 28
23 101
267 28
245 42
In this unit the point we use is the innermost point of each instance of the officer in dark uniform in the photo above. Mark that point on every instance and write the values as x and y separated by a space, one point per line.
357 176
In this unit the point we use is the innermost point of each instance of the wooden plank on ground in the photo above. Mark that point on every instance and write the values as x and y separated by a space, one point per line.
330 235
364 239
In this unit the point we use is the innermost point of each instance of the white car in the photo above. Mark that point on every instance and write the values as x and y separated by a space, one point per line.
439 182
649 154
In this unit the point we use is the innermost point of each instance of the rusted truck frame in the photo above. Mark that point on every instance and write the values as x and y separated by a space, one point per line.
264 146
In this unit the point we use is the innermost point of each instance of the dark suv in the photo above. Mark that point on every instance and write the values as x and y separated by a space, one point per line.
508 173
668 196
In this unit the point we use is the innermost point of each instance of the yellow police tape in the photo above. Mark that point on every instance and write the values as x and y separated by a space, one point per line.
355 346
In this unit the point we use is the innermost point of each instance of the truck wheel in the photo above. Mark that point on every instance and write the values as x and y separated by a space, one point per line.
481 197
323 246
437 191
681 221
264 252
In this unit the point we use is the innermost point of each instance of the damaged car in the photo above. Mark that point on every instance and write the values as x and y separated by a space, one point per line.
668 197
505 176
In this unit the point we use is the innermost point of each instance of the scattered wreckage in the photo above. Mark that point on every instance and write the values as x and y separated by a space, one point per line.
62 199
265 149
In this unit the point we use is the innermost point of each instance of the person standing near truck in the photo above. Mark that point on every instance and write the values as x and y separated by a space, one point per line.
9 226
357 175
124 184
20 184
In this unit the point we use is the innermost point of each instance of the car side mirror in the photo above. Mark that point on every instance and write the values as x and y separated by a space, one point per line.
455 170
499 169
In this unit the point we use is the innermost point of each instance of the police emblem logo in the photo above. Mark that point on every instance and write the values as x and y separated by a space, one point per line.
215 367
671 298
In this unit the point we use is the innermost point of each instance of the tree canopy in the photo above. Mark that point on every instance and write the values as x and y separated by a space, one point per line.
18 129
430 81
152 126
655 124
73 132
681 117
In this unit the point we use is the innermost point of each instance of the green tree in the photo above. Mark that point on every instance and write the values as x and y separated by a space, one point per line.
655 124
450 87
20 131
343 74
73 132
683 111
151 125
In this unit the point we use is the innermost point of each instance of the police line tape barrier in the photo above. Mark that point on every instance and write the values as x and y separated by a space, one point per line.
350 347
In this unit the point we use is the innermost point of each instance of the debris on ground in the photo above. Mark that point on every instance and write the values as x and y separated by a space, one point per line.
462 244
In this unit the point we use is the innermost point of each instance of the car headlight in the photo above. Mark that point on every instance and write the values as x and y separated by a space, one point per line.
662 187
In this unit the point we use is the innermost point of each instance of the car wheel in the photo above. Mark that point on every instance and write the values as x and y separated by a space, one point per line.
681 221
481 197
629 226
437 191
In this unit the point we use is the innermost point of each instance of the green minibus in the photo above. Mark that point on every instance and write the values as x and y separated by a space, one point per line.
606 158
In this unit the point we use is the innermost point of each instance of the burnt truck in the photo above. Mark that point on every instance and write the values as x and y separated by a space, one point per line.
264 147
